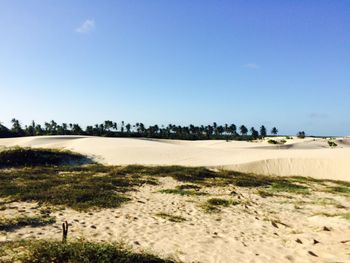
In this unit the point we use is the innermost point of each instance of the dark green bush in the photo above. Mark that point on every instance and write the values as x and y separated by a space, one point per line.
21 157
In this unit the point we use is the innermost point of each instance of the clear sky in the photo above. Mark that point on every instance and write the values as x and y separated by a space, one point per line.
283 63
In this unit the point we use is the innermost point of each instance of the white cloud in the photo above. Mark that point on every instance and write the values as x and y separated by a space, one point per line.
251 66
86 26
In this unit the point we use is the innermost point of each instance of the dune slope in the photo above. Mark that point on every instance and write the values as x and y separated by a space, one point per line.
304 157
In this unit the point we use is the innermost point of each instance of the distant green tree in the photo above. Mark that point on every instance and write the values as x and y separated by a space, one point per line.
233 129
254 133
274 131
243 129
301 134
128 128
4 131
122 127
17 128
263 131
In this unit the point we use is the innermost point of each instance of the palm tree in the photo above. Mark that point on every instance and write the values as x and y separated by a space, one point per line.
274 131
233 129
122 127
17 128
254 132
263 131
243 129
128 127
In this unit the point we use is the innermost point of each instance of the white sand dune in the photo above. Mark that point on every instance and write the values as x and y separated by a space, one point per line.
304 157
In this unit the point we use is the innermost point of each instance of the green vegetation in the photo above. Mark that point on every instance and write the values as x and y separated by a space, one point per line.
186 189
214 204
345 190
122 129
346 216
218 202
274 131
78 187
72 252
286 186
301 135
84 187
271 141
332 144
172 218
264 193
19 157
10 224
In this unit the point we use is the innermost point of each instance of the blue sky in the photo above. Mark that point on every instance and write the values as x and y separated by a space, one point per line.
282 63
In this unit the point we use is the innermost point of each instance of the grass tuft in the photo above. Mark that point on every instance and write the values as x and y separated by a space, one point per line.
172 218
345 190
286 186
10 224
214 204
186 189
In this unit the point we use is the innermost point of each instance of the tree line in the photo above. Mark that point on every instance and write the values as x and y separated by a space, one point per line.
113 129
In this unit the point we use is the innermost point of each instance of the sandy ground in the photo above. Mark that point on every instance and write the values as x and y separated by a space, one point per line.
239 233
305 157
280 228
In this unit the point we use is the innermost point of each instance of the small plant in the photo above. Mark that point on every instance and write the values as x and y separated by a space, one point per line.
186 189
172 218
214 204
218 202
271 141
332 144
264 193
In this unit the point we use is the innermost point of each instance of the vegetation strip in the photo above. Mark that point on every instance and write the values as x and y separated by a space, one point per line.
74 252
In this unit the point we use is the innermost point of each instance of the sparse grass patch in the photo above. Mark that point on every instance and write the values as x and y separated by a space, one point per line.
344 190
327 202
326 214
285 186
172 218
10 224
73 252
75 187
218 202
214 204
264 193
346 216
272 141
332 144
189 186
186 189
20 157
